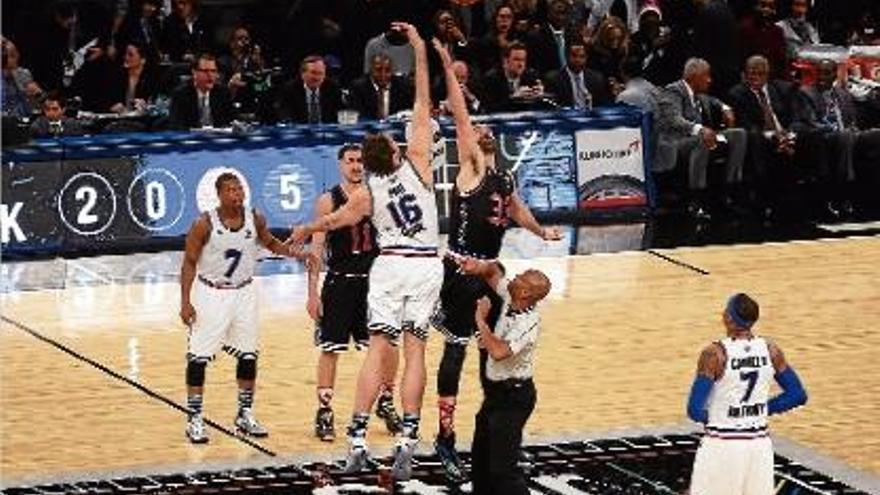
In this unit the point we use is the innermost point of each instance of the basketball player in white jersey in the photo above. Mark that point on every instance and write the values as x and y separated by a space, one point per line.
405 279
730 395
218 301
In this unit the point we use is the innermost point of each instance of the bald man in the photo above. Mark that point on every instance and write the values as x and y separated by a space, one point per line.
509 392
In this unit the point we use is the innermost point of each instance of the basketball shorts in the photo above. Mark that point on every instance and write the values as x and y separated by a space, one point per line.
344 301
733 467
458 302
404 293
226 319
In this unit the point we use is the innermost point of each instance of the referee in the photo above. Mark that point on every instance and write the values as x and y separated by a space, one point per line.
509 392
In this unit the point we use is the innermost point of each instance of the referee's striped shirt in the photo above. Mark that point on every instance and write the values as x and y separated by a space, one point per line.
520 330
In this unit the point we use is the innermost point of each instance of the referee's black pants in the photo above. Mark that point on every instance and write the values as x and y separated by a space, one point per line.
498 437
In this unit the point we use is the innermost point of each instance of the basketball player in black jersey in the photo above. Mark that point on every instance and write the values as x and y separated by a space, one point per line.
340 312
484 200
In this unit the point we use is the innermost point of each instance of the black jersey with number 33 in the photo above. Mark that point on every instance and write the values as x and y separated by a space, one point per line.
350 249
478 218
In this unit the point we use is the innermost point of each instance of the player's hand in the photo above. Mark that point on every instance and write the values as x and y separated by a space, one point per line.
483 307
298 236
314 307
187 314
412 34
551 234
710 138
445 57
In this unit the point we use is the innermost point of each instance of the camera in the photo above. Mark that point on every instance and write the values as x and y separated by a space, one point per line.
395 37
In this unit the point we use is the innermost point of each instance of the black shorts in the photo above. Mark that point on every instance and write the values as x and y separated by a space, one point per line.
458 302
344 301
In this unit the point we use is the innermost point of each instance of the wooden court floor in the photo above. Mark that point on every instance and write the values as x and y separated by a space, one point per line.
621 336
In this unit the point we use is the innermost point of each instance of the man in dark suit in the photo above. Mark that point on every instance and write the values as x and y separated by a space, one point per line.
547 45
513 82
765 108
575 86
313 98
381 94
827 110
202 102
689 121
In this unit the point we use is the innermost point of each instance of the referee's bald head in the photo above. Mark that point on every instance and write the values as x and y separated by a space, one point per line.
537 283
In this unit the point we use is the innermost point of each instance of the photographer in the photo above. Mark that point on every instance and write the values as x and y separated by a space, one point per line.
243 64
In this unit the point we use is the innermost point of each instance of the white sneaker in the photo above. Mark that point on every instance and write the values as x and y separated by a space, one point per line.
358 455
195 429
403 455
248 425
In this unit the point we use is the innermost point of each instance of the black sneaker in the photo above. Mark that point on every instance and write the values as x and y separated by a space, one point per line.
452 466
324 424
385 410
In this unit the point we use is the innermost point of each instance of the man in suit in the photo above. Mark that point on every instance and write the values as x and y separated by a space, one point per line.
313 98
689 121
547 44
765 108
575 86
642 94
382 94
513 81
827 109
203 102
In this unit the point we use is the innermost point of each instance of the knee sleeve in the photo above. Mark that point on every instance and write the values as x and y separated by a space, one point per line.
195 373
450 370
246 368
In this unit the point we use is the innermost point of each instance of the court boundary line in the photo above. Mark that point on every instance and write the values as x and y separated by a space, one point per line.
143 388
677 262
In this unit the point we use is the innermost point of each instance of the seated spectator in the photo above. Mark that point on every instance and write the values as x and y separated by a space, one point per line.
136 84
642 94
243 59
381 94
547 44
689 121
447 29
759 35
201 102
575 86
866 30
470 87
54 122
501 34
508 86
20 92
186 32
797 30
651 44
828 109
625 10
610 45
394 46
313 97
765 108
142 26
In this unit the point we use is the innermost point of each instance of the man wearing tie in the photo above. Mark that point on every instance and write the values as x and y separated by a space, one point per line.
314 98
575 86
381 94
765 109
202 102
689 120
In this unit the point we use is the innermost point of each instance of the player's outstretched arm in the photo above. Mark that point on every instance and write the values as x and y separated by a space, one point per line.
323 206
196 239
469 154
522 215
359 205
709 368
490 271
419 146
793 393
272 243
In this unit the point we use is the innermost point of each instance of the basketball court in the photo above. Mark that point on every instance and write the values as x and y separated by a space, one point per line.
92 372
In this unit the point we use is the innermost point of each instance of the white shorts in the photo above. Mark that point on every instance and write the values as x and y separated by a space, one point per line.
733 467
225 319
404 293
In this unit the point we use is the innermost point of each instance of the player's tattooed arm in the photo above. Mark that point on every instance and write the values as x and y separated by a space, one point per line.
272 243
522 215
323 206
711 363
777 357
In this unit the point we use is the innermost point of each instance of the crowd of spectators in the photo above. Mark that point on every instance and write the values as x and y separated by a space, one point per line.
719 76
